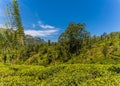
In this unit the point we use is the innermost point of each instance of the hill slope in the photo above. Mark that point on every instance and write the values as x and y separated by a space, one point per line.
102 51
105 51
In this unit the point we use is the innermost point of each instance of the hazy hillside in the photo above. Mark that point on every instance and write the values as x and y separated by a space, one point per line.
28 38
34 40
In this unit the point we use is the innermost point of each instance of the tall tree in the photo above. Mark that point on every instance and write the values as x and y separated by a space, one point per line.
74 37
19 26
13 21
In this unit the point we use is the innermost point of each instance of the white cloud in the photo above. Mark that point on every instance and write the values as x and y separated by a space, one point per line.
44 30
40 32
45 26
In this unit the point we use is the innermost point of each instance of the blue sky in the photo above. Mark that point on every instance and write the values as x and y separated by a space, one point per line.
47 19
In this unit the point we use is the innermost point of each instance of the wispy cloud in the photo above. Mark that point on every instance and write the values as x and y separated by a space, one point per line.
45 26
41 29
40 32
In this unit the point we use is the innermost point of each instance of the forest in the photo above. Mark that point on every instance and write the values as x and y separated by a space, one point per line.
76 59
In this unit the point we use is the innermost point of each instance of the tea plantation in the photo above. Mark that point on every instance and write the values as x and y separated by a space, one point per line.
61 75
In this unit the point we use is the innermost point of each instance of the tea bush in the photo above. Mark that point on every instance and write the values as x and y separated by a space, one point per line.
60 75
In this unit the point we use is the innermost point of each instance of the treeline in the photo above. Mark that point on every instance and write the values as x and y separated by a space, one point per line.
74 42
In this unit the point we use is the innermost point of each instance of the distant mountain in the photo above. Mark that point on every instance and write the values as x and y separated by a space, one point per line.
28 38
33 40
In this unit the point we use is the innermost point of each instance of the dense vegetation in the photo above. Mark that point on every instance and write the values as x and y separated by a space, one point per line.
104 49
76 59
61 75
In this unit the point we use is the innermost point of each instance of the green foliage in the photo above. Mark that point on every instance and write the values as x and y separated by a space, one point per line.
13 21
105 50
74 37
105 81
65 75
19 26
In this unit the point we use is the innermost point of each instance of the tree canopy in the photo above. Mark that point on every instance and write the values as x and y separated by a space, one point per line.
74 36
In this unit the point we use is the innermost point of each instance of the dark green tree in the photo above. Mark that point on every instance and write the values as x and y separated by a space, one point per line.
74 37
